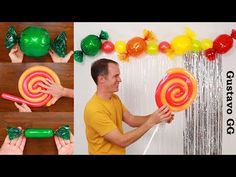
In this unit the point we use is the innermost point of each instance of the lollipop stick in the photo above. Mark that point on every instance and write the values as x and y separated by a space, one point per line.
153 134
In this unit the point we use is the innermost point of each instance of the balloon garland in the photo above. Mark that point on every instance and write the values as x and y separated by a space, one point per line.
29 88
35 41
179 45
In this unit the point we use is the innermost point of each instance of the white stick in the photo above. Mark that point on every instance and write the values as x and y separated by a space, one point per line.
153 134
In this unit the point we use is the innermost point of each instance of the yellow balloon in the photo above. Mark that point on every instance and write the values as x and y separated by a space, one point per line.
181 44
120 47
152 48
206 44
190 33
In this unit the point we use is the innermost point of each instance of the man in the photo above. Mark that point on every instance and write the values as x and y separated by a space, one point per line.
105 112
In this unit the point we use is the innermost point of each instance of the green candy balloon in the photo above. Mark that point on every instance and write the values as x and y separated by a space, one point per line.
62 132
35 41
91 45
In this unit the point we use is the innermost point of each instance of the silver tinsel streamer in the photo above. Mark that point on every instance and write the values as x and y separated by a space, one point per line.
203 119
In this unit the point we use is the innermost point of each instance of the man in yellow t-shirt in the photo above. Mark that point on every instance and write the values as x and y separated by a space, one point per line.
104 113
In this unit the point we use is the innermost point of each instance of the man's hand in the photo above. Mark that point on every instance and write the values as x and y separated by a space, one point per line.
161 115
52 88
57 59
16 55
65 147
13 147
23 107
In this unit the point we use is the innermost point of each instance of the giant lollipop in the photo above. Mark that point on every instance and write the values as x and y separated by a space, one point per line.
35 41
177 89
29 88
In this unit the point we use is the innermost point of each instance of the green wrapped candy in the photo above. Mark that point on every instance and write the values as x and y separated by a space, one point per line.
78 56
11 38
63 132
35 41
59 44
90 45
14 132
38 133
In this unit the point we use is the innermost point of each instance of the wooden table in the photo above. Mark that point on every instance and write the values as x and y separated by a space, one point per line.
54 29
10 74
36 120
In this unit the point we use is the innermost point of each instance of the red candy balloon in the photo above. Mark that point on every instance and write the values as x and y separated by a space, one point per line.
210 54
164 46
107 47
223 43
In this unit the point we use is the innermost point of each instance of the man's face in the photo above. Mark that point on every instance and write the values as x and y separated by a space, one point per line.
112 80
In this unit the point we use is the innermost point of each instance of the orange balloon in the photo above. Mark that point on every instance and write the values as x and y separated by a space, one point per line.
136 46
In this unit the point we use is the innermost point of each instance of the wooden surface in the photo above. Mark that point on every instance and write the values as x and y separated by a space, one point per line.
36 120
10 74
54 29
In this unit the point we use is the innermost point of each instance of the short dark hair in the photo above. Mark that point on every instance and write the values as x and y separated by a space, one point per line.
100 67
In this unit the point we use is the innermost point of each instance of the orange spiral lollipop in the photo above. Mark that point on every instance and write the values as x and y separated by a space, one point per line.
177 89
28 86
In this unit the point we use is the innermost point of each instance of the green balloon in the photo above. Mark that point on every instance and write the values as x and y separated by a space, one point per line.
34 41
63 132
91 45
14 132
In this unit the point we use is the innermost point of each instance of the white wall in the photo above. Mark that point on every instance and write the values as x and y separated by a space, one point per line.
139 79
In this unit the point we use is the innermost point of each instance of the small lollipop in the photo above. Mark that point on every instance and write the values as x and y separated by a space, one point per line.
29 88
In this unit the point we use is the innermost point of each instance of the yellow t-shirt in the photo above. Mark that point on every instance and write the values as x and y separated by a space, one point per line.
101 117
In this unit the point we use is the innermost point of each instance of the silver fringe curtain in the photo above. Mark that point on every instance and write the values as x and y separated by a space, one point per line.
203 120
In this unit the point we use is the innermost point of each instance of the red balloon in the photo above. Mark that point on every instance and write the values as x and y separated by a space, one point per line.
210 54
107 47
163 46
233 34
223 43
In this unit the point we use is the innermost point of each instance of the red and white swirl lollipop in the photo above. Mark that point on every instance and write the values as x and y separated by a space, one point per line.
28 86
177 89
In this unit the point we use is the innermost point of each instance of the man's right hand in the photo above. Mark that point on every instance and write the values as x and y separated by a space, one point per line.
65 147
161 115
